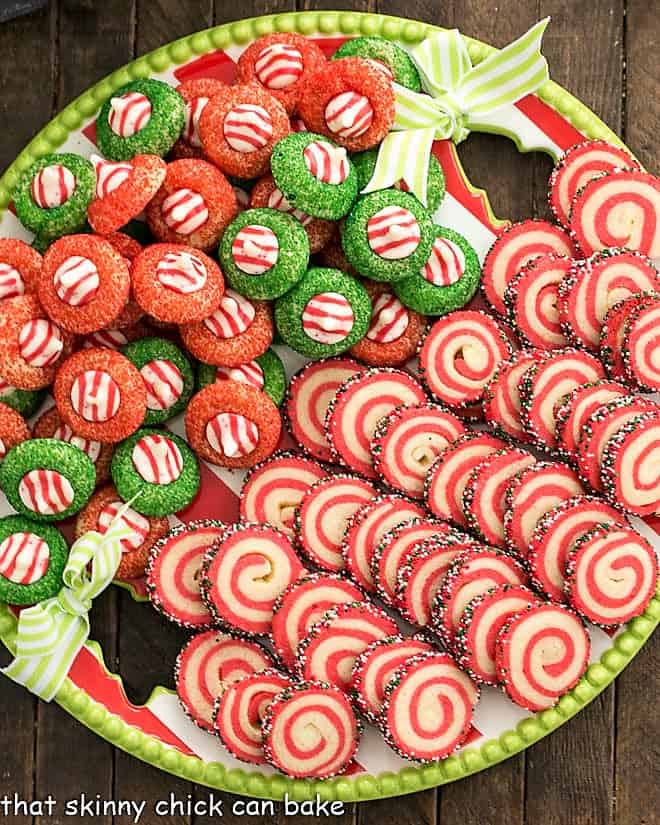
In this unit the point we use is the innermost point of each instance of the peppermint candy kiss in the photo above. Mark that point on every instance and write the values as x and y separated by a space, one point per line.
46 492
232 434
446 264
393 233
194 109
349 114
40 342
95 396
77 281
157 459
389 319
326 162
255 249
129 113
11 282
328 318
185 211
52 186
24 558
279 66
109 175
181 272
248 128
233 316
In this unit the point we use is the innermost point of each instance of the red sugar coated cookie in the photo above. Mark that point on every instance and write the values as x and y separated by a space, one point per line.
239 127
31 345
541 654
84 283
629 466
531 298
194 205
613 330
20 267
13 429
132 312
350 101
501 403
578 406
232 425
641 349
123 190
100 395
196 93
176 284
280 63
97 514
238 331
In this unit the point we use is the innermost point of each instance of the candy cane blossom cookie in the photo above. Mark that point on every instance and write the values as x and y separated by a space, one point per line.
577 166
618 208
393 61
303 603
208 663
307 706
323 515
641 349
159 469
13 429
324 314
501 403
32 560
100 394
629 465
240 711
167 374
52 196
25 402
264 253
265 372
611 575
432 681
47 480
360 403
234 426
541 653
613 330
174 573
196 94
578 406
20 267
145 116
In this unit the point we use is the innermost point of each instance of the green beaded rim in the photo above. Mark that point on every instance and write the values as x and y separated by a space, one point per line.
410 779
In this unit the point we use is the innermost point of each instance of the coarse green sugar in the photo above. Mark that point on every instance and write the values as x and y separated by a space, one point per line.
32 560
389 57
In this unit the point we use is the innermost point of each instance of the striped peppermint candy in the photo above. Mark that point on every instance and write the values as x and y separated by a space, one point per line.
232 317
164 383
77 281
349 114
52 186
109 175
11 282
250 373
40 342
181 272
393 233
276 200
194 109
108 338
389 319
136 522
232 435
326 162
157 459
91 448
279 66
184 211
46 492
24 558
95 396
255 249
129 113
3 449
247 127
328 318
382 67
446 263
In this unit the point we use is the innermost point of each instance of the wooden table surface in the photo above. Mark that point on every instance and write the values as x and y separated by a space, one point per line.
599 769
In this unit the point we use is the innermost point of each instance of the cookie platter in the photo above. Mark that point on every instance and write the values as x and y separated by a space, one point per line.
207 492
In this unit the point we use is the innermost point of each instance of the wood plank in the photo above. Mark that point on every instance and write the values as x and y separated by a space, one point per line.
334 5
227 10
160 21
17 721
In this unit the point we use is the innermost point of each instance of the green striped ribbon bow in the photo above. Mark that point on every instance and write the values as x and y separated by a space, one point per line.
458 95
51 634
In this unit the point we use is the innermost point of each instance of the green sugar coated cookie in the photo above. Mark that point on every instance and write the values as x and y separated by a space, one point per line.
49 223
424 296
152 498
365 163
314 317
355 242
383 51
25 581
65 472
301 188
160 132
272 369
241 266
145 353
26 402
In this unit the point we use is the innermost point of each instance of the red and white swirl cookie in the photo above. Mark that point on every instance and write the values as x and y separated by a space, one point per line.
480 623
502 397
208 663
359 405
641 348
611 575
310 392
541 654
577 408
613 331
516 247
323 515
302 604
407 442
484 495
319 709
245 570
274 488
531 494
240 710
365 530
460 354
630 468
434 682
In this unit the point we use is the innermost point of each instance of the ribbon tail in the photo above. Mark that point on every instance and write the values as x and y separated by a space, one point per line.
404 156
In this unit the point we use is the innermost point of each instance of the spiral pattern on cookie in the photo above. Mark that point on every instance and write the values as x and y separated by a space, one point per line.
641 349
531 299
578 406
630 466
